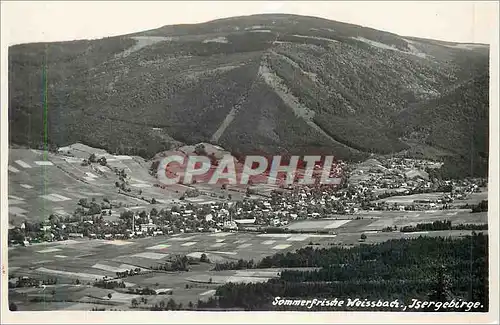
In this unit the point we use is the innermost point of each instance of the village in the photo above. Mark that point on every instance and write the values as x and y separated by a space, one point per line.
393 184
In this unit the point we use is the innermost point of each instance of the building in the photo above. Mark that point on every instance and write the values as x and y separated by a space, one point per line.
162 291
230 225
145 227
245 221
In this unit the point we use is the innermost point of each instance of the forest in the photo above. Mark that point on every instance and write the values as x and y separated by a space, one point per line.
426 268
442 225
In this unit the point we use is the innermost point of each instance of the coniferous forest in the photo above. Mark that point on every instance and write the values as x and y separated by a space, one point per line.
425 268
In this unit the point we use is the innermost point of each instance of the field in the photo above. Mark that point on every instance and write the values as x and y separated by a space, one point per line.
404 200
378 220
90 260
409 199
42 183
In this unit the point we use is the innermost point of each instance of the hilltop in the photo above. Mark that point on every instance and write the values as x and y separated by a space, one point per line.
256 84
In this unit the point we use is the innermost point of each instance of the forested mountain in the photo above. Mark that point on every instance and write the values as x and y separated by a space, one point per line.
262 83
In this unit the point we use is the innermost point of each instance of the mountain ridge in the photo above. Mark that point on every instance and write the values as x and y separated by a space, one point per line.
272 83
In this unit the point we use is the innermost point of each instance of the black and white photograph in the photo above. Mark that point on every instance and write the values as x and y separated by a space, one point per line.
245 157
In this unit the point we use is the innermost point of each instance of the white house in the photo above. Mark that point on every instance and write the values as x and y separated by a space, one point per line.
245 221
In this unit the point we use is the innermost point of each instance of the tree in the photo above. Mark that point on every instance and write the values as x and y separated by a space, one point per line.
153 201
481 207
200 150
94 209
203 258
171 305
126 215
77 282
363 237
103 161
12 306
16 235
110 295
154 165
83 202
134 302
441 291
92 158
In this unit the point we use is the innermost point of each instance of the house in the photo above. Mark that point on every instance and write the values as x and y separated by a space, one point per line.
75 235
205 203
162 291
413 174
245 221
230 225
147 226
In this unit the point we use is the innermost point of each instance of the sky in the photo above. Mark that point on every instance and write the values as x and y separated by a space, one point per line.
43 21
